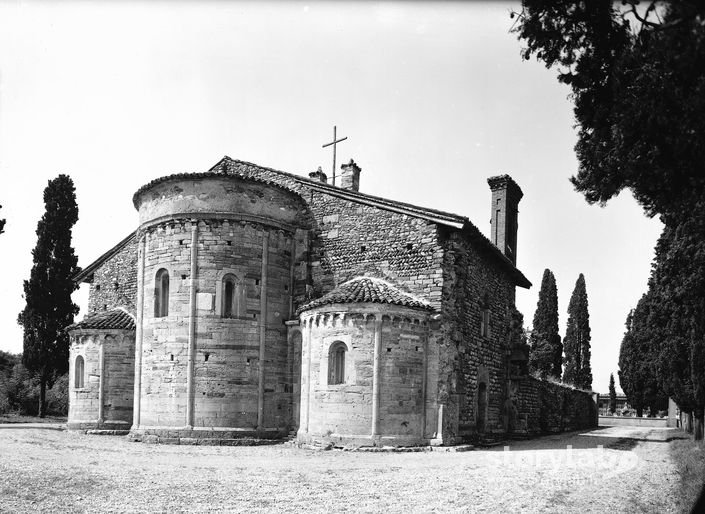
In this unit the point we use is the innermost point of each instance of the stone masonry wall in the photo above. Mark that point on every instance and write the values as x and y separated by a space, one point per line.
350 239
342 413
227 349
472 283
83 404
546 407
118 379
115 282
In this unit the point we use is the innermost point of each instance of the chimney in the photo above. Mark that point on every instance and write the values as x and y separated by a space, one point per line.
506 195
350 176
318 175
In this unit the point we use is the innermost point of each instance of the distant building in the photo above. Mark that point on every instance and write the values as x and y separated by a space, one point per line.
604 404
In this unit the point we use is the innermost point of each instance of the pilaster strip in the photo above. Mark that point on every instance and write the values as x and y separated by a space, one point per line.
190 389
262 330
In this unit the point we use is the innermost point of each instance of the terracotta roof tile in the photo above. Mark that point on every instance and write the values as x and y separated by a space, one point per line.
116 319
367 290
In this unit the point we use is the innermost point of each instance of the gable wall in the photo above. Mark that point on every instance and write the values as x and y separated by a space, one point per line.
466 357
120 269
339 230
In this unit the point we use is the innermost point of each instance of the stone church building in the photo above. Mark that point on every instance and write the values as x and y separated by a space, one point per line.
252 303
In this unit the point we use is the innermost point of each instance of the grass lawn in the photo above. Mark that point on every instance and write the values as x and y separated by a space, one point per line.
689 458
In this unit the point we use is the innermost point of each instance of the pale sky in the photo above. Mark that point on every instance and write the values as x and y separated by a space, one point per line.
434 98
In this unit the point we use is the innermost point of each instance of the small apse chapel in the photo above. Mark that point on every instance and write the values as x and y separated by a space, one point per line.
254 303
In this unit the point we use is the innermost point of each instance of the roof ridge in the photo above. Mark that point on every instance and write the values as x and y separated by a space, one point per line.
345 192
389 293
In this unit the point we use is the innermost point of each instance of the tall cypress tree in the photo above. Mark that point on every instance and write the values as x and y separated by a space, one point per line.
577 339
613 395
49 308
546 357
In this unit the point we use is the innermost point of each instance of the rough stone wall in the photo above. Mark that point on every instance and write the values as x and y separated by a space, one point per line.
466 357
546 407
226 362
349 239
115 282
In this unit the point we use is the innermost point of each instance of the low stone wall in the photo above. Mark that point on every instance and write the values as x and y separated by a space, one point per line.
628 421
547 407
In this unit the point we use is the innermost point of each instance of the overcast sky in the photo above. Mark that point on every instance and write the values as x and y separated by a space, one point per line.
434 98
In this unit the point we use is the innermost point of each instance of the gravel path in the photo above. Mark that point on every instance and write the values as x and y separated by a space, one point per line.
616 469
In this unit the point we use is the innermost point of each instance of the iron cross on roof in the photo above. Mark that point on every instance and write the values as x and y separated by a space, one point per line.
334 143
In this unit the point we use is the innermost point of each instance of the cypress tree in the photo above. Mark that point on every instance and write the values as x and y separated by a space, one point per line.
577 339
613 395
49 308
546 357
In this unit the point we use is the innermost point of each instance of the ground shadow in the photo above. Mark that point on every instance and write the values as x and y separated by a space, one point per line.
614 438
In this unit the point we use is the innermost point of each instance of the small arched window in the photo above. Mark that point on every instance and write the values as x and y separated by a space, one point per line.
229 297
336 363
234 300
78 373
161 294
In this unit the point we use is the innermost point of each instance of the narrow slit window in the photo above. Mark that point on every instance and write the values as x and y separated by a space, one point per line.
161 294
485 316
78 373
336 363
485 323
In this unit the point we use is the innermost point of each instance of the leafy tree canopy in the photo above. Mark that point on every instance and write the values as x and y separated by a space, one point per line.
637 75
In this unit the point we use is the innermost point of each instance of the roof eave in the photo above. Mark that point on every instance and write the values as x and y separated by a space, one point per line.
86 274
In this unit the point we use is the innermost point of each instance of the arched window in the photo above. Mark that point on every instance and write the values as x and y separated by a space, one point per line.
161 294
229 300
234 301
78 373
336 363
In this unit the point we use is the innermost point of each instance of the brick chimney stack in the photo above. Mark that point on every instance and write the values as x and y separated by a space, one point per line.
319 175
350 176
506 195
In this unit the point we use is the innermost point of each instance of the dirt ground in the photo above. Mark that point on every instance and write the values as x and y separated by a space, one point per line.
617 469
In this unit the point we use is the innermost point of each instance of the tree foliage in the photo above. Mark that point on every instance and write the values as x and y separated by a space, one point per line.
546 357
577 339
637 78
49 309
633 71
639 356
613 395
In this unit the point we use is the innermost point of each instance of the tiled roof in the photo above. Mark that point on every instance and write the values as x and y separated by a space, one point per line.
367 290
207 174
116 319
230 166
